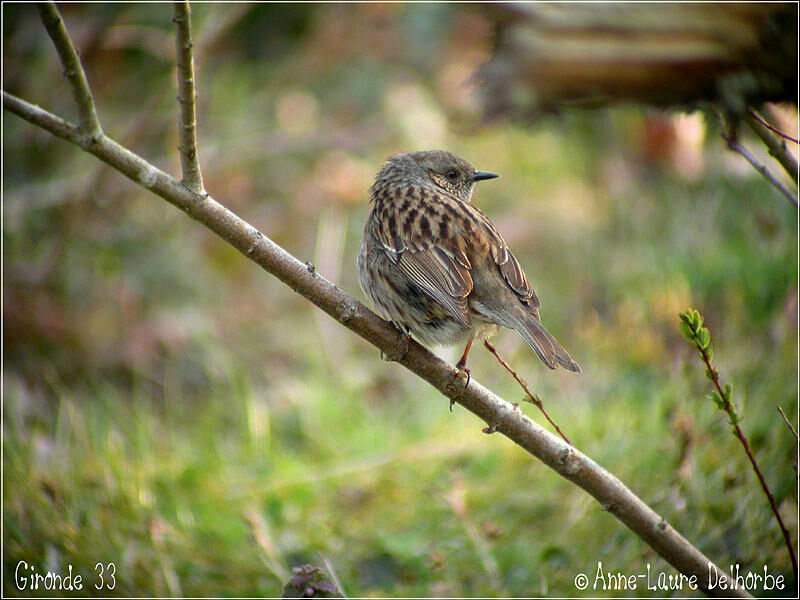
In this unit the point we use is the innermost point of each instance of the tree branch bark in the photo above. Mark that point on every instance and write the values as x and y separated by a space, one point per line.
187 133
777 147
733 144
73 70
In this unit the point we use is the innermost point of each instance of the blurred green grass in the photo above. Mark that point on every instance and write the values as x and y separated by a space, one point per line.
171 409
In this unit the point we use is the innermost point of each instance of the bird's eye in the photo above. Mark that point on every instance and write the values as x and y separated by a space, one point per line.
451 174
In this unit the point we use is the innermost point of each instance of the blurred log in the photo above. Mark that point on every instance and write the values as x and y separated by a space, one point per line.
549 56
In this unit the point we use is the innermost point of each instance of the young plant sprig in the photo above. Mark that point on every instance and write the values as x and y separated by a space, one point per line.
691 326
700 337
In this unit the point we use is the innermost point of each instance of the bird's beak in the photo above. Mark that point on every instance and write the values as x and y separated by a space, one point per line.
481 175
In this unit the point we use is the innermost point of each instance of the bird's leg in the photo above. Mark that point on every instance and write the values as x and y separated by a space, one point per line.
461 365
404 339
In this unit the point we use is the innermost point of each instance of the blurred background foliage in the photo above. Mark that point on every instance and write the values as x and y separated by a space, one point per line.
170 408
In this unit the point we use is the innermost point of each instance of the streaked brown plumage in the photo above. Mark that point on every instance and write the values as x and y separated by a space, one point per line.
433 263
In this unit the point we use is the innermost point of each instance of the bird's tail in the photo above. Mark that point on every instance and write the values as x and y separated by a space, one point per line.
545 345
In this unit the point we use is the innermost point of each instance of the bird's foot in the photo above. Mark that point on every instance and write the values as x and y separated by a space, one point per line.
462 374
399 354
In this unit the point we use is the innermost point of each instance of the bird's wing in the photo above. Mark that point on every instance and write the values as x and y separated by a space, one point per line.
508 264
512 272
440 272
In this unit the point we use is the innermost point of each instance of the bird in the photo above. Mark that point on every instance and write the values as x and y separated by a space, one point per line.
433 263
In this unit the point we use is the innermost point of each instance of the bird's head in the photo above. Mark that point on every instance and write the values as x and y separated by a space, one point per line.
444 169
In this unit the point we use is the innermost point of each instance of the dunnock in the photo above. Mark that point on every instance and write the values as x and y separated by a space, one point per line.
433 263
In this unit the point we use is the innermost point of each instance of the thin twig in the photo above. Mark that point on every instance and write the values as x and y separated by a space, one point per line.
777 132
730 137
73 70
456 497
332 573
187 133
158 529
534 399
738 432
796 439
270 555
776 147
765 172
789 424
702 341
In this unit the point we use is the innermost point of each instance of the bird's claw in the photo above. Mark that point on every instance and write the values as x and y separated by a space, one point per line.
398 356
463 373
